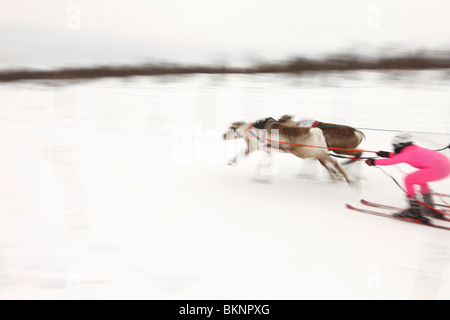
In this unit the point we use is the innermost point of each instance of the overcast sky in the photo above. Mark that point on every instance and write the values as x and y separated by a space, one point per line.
82 32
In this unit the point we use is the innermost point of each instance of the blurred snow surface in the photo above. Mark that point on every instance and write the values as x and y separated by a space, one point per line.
119 189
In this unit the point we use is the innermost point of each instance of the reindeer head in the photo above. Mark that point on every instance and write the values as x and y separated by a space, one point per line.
236 130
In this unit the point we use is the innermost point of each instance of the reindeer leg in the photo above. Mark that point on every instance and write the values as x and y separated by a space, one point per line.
242 155
333 173
341 171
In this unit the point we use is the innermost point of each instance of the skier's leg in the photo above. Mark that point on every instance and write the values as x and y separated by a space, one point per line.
414 211
421 178
410 181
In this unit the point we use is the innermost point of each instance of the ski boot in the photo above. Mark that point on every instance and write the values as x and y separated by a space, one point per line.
428 200
414 212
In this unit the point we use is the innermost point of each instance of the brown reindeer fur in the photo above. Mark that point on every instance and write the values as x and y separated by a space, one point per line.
336 136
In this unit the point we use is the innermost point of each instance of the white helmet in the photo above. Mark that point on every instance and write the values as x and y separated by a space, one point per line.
402 140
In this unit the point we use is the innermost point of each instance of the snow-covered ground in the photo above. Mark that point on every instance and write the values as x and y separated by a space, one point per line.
120 190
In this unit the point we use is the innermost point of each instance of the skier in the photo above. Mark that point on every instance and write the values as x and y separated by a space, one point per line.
432 166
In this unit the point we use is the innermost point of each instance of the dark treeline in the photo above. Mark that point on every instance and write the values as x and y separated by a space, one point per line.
342 62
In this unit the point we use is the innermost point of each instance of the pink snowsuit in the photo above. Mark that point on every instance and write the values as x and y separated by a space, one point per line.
432 164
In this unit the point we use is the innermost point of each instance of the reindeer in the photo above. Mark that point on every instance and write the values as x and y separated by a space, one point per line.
336 135
305 143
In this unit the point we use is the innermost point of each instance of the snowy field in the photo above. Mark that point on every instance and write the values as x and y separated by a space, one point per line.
118 189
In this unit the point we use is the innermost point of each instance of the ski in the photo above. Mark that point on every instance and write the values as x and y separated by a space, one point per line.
387 215
379 205
383 206
441 194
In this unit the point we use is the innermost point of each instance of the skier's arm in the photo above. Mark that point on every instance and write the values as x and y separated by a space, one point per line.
384 154
394 159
